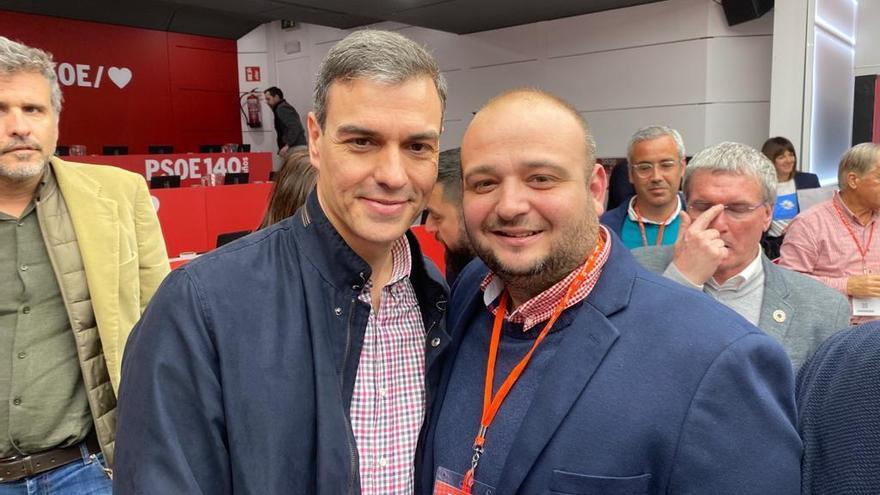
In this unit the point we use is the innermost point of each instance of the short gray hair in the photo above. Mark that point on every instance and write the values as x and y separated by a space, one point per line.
859 160
651 132
449 175
380 56
736 159
16 58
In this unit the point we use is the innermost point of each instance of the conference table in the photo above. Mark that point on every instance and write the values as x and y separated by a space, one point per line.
193 217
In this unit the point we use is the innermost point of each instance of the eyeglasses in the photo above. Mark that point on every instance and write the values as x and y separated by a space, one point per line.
737 211
646 169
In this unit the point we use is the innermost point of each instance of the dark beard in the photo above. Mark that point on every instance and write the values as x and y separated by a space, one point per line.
571 252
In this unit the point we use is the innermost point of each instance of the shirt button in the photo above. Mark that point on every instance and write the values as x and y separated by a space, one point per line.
435 341
26 310
383 461
22 355
383 392
17 401
21 224
24 268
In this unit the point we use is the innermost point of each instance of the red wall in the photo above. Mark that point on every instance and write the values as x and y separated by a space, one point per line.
183 89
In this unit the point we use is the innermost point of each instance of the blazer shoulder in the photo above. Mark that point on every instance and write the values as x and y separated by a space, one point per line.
805 291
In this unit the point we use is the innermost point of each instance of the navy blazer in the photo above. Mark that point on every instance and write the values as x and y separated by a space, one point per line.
655 388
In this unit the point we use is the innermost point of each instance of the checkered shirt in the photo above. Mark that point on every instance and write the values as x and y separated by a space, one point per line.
540 307
388 405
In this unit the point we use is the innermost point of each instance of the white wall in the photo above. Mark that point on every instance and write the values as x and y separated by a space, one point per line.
868 38
674 62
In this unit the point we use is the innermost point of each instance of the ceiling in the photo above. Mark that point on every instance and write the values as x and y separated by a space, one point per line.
233 19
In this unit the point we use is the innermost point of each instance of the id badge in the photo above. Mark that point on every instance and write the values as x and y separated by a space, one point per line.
866 306
449 483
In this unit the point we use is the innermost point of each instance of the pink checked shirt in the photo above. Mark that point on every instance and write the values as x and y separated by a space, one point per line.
818 244
388 405
540 307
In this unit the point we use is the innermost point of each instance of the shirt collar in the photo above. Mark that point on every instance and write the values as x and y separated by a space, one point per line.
401 264
635 217
848 213
738 281
540 307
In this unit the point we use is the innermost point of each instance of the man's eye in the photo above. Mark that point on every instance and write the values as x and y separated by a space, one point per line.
419 147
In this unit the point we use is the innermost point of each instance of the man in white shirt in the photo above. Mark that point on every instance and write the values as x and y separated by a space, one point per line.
730 190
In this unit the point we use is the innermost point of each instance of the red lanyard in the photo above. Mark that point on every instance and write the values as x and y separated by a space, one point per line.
492 404
642 229
862 251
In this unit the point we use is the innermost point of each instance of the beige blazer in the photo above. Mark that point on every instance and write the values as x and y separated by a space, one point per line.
121 244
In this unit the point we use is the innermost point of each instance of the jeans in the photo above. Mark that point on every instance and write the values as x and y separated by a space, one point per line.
83 477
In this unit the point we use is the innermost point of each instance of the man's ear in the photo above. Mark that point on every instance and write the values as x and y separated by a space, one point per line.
598 186
315 135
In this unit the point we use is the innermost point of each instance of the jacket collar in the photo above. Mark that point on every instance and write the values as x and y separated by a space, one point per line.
341 266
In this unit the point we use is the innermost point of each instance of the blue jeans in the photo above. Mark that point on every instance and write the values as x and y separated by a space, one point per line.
83 477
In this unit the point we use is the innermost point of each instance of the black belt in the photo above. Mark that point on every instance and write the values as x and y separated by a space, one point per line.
18 467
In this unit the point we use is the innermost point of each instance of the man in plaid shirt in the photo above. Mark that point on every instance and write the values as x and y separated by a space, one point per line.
304 358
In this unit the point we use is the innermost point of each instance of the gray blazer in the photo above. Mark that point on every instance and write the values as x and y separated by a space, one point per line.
797 311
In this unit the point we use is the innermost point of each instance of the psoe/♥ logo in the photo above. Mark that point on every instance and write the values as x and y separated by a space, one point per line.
84 76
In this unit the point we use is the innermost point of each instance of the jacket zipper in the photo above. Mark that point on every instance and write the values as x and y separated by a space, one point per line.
353 460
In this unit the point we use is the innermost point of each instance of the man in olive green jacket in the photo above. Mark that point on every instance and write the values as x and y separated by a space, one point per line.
81 255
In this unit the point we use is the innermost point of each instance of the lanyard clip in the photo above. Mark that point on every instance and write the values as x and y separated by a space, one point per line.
478 447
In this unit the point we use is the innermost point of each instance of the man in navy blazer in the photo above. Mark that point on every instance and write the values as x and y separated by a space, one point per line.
639 387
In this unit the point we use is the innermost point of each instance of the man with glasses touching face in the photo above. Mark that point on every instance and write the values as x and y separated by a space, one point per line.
730 189
656 163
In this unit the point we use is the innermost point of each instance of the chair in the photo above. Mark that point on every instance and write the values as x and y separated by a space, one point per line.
115 150
227 237
236 178
244 148
62 150
210 148
164 181
160 149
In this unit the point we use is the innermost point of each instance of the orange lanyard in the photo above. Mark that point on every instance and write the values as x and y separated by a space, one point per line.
642 229
491 405
863 252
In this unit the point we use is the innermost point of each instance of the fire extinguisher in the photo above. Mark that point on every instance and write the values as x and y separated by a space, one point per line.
251 110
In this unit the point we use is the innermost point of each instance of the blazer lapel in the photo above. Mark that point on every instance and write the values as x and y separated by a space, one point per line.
588 339
776 312
96 223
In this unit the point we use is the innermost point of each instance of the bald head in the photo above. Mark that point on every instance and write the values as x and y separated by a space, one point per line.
531 189
532 101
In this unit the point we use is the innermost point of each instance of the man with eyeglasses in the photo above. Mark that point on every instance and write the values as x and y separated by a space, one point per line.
656 163
730 190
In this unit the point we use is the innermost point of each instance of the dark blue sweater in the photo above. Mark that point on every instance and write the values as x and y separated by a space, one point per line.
460 418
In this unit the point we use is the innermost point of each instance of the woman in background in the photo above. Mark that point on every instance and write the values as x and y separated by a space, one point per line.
780 151
294 182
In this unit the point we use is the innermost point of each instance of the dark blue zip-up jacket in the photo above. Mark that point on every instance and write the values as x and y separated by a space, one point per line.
239 376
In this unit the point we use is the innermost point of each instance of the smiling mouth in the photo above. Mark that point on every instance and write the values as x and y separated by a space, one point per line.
517 235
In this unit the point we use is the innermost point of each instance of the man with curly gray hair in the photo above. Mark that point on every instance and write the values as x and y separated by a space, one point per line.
82 253
730 190
304 358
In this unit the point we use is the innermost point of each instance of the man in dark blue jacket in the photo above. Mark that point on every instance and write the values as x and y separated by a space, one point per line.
304 358
574 370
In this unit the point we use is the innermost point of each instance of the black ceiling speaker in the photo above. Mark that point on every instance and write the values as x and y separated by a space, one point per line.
739 11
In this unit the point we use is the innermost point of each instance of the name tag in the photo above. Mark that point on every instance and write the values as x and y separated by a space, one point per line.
866 306
449 483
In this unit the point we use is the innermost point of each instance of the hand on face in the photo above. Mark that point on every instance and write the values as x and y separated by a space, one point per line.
699 249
